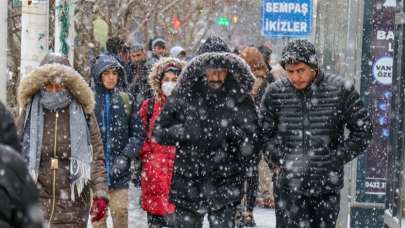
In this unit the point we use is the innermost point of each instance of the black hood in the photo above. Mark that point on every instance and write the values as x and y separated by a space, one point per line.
213 44
104 62
239 82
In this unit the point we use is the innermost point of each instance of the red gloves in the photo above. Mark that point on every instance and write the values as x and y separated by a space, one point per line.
98 209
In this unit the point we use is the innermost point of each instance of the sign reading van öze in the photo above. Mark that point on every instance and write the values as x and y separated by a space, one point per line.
286 18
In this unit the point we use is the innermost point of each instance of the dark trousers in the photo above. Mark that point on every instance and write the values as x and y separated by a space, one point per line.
250 187
156 221
300 211
223 218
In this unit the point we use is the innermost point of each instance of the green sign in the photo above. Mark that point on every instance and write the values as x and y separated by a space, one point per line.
223 21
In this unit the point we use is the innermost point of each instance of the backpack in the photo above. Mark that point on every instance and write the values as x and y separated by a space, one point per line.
127 103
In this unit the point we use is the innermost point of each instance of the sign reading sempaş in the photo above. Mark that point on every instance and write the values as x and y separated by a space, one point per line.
286 18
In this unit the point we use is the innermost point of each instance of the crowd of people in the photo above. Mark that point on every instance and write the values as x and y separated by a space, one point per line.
215 133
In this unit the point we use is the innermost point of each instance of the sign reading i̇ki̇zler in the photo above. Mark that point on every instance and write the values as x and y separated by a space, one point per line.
286 18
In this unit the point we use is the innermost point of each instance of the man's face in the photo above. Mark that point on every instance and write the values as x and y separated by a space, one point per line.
109 78
160 50
216 78
138 56
300 75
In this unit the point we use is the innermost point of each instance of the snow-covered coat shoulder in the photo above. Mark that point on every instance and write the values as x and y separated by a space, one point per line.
7 127
194 73
55 72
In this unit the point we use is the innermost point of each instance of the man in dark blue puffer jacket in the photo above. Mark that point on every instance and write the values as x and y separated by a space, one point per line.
304 117
122 133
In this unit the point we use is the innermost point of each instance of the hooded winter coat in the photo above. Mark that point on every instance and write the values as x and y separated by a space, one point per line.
18 193
8 131
66 213
303 132
214 132
121 129
157 160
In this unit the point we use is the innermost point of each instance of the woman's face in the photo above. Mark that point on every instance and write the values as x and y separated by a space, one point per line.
54 87
169 77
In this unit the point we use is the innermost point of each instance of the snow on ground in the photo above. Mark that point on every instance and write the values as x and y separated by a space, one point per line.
265 218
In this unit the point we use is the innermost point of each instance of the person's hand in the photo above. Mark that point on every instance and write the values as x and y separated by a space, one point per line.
98 209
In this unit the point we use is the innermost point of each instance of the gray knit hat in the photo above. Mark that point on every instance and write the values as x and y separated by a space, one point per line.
298 51
137 47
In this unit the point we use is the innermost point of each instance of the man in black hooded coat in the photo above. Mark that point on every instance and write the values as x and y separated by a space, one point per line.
213 123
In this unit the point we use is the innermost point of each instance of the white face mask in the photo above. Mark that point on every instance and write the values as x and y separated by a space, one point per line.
167 88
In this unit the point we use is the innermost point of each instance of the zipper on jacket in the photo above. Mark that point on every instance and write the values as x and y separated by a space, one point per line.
54 166
305 120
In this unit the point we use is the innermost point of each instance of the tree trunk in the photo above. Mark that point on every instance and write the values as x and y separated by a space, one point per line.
86 46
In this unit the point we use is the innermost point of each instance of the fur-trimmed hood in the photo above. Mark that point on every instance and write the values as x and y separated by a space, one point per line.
55 72
155 75
194 73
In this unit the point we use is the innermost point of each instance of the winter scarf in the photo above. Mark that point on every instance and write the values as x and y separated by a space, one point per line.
81 152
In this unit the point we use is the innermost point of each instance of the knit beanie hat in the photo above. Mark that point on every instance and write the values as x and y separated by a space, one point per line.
299 51
137 47
158 42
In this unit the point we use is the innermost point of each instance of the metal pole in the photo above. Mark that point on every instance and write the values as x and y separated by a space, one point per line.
72 31
3 50
58 6
34 34
58 29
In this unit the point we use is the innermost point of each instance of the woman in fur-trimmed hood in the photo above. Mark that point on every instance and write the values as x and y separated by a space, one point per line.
157 160
61 142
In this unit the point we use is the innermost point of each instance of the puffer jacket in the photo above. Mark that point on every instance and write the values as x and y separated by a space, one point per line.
214 133
303 132
121 128
66 211
157 160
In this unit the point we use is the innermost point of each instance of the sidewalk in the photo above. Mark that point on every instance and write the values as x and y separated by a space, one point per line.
265 218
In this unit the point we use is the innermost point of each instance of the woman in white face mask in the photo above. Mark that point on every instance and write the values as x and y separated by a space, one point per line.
169 80
157 160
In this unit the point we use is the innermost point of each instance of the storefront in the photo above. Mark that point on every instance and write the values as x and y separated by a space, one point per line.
356 39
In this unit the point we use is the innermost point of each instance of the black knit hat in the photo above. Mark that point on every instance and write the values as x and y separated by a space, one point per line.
299 51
